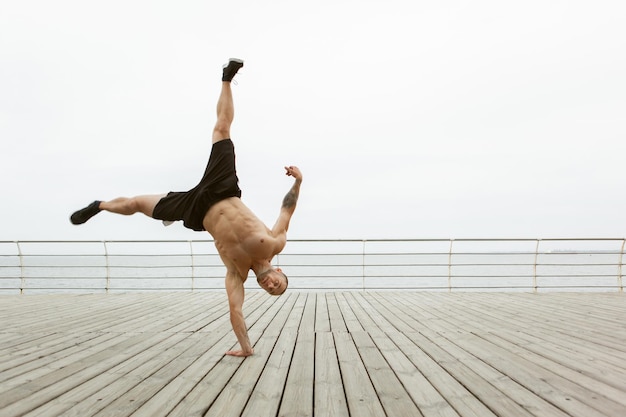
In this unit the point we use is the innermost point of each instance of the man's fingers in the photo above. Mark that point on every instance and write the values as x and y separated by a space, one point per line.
238 353
293 171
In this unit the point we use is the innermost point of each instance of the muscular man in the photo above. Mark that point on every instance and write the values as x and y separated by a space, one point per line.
242 240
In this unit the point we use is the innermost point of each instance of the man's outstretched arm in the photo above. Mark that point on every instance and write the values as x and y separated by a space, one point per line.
289 202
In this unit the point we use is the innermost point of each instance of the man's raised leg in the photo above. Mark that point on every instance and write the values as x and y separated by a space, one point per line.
122 205
225 106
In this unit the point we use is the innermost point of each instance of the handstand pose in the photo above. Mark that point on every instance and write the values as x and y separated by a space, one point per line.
242 240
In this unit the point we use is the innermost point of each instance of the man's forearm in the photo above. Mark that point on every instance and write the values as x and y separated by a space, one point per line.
290 200
239 327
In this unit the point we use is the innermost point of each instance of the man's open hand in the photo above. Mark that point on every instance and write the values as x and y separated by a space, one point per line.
239 353
293 171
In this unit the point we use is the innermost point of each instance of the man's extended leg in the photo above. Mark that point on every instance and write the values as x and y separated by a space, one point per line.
225 106
122 205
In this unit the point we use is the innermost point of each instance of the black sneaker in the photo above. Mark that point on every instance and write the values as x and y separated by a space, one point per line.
82 215
231 69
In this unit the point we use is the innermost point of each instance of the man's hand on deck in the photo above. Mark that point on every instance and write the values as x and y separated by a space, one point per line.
239 353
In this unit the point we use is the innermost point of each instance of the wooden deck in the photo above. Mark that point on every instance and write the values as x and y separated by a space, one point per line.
316 354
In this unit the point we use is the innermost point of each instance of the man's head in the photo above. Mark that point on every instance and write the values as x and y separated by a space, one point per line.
274 281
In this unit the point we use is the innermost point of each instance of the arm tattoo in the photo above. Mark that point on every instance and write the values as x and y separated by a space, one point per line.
291 198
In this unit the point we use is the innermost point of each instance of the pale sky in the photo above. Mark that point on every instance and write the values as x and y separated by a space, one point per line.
408 119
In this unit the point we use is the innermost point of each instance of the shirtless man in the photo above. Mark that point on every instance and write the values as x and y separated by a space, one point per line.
242 240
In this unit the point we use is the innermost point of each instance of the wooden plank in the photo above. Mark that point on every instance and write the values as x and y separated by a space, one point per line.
394 399
428 400
543 313
562 360
609 384
553 388
11 341
159 372
359 306
456 394
100 402
82 315
529 401
39 370
219 330
322 321
447 325
448 354
98 392
360 393
571 343
611 340
200 398
232 400
567 356
454 387
166 399
267 395
157 314
34 355
297 397
337 324
201 310
593 360
330 398
351 322
65 355
49 386
21 370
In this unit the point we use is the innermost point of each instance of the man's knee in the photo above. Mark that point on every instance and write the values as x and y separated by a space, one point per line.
133 205
145 203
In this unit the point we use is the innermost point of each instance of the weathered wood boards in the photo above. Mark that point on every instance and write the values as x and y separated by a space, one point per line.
316 354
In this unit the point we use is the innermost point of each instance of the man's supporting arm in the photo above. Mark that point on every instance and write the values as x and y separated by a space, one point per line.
235 291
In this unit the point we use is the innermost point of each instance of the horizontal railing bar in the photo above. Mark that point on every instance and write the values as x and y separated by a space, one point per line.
562 267
148 255
499 253
552 239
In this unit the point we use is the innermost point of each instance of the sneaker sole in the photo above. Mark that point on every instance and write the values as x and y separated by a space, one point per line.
237 60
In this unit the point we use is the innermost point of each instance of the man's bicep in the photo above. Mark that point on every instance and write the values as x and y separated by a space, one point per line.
282 223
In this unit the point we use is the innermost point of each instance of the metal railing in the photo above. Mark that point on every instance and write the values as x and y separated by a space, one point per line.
559 264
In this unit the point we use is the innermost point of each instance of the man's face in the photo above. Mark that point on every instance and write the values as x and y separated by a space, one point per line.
274 282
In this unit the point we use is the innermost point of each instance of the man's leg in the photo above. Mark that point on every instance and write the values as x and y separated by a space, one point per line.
225 114
122 205
225 106
140 204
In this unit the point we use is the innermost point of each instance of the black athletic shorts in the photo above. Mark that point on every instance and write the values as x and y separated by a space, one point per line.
218 183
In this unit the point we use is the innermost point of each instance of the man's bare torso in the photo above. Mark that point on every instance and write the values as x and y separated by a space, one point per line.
240 237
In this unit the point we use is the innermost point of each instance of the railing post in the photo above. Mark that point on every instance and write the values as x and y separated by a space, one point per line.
363 265
21 258
620 268
450 266
193 269
535 266
106 262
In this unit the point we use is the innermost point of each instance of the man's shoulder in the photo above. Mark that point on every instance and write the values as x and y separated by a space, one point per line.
233 273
